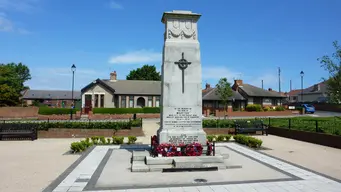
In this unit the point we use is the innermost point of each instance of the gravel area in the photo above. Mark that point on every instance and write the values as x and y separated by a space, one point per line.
30 166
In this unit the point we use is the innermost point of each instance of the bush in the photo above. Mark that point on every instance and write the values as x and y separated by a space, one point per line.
108 141
248 141
132 139
117 140
227 137
102 139
210 138
55 111
267 108
220 138
90 125
280 108
126 110
253 107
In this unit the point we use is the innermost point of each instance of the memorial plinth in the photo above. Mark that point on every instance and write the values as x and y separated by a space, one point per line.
181 92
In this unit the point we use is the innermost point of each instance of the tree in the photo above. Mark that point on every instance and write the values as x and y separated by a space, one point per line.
146 72
12 79
333 66
224 91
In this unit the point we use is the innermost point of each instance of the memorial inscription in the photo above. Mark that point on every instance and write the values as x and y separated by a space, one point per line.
183 138
182 118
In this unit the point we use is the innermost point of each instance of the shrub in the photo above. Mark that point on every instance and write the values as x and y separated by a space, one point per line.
117 140
280 108
248 140
102 139
210 138
126 110
55 111
108 141
227 137
132 139
267 108
220 138
89 125
94 140
253 107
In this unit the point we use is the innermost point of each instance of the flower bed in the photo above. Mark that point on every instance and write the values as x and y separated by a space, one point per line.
171 150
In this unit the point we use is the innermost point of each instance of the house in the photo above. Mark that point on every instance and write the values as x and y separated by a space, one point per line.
57 98
114 93
256 95
314 93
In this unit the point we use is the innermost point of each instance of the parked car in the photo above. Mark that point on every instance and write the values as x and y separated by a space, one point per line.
308 108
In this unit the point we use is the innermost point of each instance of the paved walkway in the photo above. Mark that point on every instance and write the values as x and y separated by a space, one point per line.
306 181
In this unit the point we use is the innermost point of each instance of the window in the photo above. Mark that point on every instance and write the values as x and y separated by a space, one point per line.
274 102
131 101
150 101
96 100
157 101
102 101
123 101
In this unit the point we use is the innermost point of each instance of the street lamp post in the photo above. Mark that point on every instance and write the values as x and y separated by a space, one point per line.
73 69
302 74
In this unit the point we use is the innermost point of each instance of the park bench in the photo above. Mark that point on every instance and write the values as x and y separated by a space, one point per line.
243 126
18 130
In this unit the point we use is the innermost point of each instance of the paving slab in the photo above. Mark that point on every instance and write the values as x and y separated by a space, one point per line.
187 162
140 155
158 160
139 166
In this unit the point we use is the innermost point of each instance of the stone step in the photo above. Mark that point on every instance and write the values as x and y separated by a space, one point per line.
211 159
187 162
221 166
159 160
139 166
140 155
159 168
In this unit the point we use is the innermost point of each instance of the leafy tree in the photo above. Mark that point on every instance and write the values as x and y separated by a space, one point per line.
333 66
12 79
224 91
146 72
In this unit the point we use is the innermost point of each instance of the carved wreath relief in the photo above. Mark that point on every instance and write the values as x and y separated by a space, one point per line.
181 29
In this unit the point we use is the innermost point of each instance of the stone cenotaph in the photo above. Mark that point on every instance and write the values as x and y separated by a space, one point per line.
181 91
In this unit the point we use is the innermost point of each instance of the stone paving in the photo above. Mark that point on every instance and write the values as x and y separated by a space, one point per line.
78 177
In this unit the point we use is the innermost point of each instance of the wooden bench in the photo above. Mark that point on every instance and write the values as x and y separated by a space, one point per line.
243 126
19 130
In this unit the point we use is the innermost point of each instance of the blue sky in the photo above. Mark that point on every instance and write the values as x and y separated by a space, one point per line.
245 39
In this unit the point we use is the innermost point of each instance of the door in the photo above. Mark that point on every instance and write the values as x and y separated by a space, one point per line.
88 104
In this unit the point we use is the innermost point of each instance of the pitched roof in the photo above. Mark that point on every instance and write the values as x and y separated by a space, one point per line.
51 94
212 95
140 87
294 92
253 91
322 86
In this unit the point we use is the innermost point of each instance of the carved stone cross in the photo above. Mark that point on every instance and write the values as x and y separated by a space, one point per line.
183 64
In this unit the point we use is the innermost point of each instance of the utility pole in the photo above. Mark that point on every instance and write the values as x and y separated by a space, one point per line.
279 84
262 84
290 85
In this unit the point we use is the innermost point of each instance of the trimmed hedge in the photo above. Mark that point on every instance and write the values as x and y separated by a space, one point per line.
248 141
126 110
55 111
89 125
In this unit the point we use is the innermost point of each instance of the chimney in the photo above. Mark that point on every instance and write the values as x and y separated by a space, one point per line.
237 83
270 89
113 76
208 86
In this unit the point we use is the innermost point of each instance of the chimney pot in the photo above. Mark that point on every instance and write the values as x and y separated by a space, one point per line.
208 86
113 76
270 89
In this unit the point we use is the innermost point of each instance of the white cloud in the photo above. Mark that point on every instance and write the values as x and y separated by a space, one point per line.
137 57
215 73
115 5
5 24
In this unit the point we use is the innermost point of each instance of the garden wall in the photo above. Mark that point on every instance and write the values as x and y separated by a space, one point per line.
123 116
327 107
218 131
82 133
317 138
18 112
